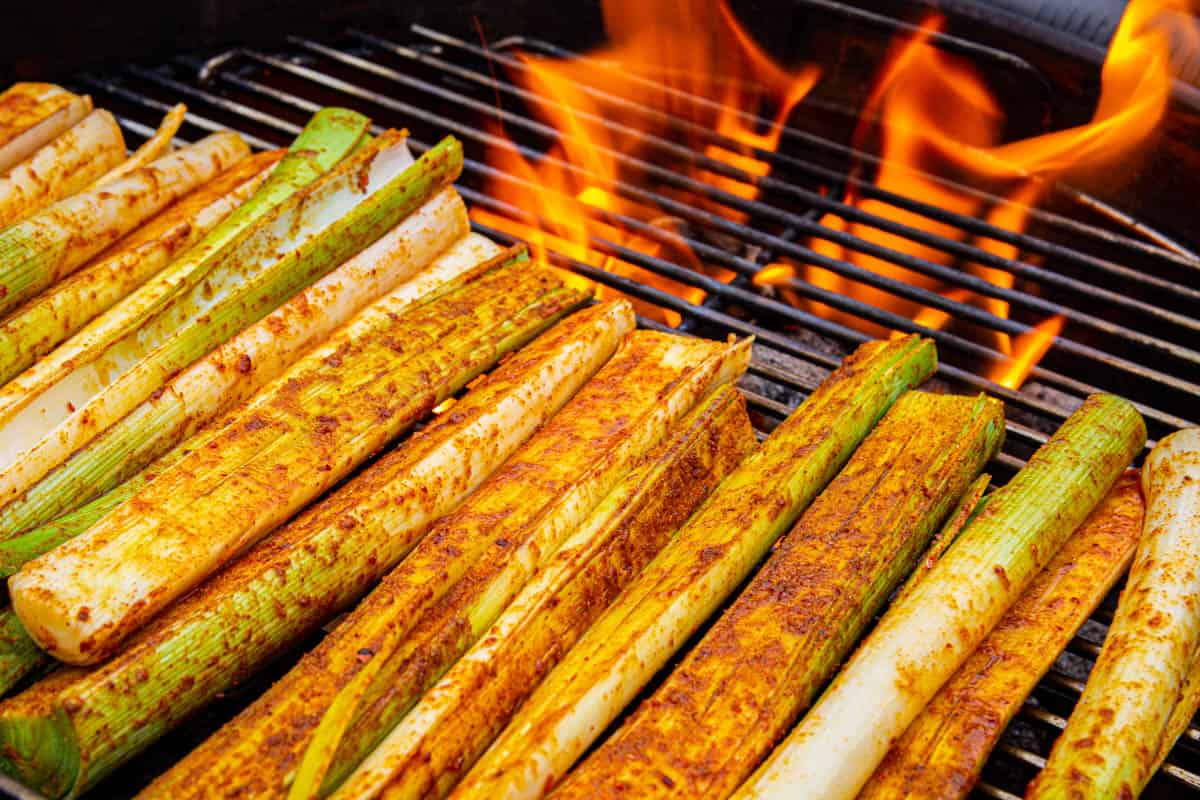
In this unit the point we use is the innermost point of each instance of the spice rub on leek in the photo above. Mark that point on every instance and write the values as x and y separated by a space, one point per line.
62 167
319 420
743 685
942 752
1118 727
56 241
34 114
436 602
65 737
923 639
687 581
303 239
40 325
456 719
50 392
256 355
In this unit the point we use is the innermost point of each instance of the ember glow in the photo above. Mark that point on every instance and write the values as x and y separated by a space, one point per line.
930 114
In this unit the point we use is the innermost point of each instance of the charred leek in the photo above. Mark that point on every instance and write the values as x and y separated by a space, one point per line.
455 721
1118 726
713 720
65 736
921 641
942 752
688 580
435 604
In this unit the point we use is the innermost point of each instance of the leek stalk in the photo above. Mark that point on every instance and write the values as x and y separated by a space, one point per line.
1119 724
65 735
713 720
455 721
32 115
921 641
942 752
434 605
688 580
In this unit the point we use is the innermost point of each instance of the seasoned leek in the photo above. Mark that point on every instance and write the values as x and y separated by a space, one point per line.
233 371
53 243
922 640
33 115
62 167
300 241
712 721
438 601
44 322
456 720
305 431
942 752
49 389
64 736
689 579
156 146
1118 726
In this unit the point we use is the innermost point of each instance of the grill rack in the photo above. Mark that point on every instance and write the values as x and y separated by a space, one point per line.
441 84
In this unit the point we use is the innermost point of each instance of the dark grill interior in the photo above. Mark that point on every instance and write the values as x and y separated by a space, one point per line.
1128 292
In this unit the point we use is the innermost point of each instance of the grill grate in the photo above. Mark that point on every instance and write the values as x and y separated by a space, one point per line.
1127 293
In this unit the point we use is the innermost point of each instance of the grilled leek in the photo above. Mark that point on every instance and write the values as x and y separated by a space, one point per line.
688 580
305 431
61 168
151 149
234 370
42 396
712 721
32 115
1118 726
942 752
44 322
302 240
434 605
63 736
922 640
53 243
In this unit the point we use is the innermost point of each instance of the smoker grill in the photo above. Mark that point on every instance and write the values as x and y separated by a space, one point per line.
1128 292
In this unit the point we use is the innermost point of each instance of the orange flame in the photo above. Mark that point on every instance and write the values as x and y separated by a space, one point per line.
937 114
662 56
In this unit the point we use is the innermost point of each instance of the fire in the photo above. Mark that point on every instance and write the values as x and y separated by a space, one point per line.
938 116
687 58
930 113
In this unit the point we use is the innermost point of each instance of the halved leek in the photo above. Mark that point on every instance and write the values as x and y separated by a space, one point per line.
64 166
1118 726
713 720
942 752
688 580
34 114
44 322
62 736
301 240
455 721
328 137
53 243
237 368
434 605
309 428
156 146
921 641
